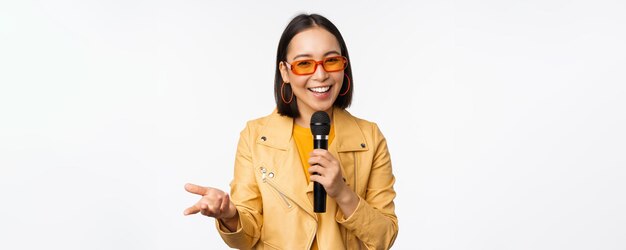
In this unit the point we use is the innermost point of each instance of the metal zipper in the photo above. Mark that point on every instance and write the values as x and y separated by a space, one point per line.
284 197
281 194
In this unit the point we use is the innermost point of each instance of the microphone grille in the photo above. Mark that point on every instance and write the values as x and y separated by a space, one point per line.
320 123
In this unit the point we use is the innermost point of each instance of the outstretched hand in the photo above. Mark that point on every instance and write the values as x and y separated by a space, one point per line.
213 203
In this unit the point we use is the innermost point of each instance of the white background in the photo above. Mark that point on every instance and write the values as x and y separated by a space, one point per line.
505 119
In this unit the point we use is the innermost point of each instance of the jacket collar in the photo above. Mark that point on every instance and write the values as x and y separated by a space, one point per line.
348 135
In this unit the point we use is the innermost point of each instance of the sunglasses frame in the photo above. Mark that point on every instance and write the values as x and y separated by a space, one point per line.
291 65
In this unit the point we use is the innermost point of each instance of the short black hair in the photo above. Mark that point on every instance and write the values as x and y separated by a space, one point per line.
297 25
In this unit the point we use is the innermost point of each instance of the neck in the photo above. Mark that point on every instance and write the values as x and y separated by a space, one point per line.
304 120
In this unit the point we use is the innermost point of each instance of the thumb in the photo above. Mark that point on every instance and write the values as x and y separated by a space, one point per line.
228 207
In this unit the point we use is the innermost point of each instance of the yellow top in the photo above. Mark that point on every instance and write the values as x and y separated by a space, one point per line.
304 141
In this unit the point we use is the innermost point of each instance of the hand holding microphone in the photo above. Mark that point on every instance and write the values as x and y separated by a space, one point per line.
325 169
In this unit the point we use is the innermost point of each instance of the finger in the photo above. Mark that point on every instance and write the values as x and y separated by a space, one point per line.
318 151
195 189
214 209
225 204
192 210
317 169
323 153
206 211
231 209
317 160
318 178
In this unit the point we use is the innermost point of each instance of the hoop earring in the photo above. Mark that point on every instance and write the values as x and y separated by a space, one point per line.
348 89
282 95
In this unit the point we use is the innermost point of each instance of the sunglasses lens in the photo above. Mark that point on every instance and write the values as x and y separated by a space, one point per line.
334 64
304 67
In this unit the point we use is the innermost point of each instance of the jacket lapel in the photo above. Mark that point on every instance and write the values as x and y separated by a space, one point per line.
348 135
288 171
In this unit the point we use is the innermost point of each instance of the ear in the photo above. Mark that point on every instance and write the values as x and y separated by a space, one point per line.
284 72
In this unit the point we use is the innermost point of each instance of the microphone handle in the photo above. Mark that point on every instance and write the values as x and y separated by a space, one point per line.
319 193
319 198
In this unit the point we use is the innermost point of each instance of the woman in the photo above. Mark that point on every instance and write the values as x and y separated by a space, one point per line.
272 201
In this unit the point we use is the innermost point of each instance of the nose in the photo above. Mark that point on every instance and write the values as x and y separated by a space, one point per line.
320 74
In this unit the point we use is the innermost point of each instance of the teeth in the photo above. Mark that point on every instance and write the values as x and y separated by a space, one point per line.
320 89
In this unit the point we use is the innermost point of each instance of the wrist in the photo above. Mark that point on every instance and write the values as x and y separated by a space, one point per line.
231 223
235 217
347 201
346 197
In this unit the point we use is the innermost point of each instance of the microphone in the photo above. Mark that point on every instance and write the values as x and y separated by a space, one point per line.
320 127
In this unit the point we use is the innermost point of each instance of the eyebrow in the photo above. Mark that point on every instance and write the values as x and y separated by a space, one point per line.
325 54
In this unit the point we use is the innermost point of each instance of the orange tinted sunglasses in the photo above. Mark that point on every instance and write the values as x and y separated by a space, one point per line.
307 67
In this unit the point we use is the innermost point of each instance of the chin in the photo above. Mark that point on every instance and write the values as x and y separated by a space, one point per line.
324 107
320 105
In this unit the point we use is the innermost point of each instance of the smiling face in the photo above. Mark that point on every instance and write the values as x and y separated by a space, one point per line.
318 91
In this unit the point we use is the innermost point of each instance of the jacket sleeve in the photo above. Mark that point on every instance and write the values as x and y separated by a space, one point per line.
246 196
374 221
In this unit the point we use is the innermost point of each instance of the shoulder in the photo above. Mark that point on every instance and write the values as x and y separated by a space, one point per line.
364 123
272 126
367 127
259 122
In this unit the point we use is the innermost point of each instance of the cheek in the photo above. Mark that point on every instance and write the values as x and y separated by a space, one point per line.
298 82
339 78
